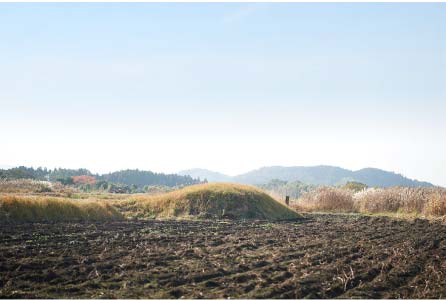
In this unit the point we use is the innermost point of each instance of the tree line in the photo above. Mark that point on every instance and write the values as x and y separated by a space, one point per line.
136 177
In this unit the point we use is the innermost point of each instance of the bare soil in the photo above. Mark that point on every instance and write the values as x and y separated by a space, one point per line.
323 256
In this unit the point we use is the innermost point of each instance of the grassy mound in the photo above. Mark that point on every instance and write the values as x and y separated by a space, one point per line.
34 209
214 200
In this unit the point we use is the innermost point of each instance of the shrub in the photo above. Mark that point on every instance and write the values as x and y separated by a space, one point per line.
355 186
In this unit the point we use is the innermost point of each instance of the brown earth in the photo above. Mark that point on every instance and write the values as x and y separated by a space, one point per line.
322 256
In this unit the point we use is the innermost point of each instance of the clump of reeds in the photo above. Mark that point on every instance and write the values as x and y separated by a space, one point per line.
436 205
395 199
326 199
428 202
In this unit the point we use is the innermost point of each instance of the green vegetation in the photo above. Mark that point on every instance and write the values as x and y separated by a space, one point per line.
143 178
42 173
355 186
281 188
34 209
214 200
126 181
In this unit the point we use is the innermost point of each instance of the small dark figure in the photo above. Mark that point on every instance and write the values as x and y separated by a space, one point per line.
287 200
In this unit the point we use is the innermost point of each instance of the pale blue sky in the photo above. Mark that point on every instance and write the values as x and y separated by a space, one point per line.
229 87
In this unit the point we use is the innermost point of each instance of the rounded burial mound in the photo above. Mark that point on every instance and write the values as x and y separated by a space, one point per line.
214 201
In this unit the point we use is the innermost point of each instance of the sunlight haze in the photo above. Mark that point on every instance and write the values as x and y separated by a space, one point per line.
226 87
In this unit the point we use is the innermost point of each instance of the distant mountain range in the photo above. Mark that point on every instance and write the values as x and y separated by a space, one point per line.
211 176
317 175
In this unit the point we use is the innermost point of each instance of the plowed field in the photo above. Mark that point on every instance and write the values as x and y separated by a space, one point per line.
319 257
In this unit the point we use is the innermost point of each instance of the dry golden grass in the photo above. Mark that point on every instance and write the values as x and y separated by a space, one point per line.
35 208
22 201
328 199
213 200
406 200
426 202
30 186
436 205
27 200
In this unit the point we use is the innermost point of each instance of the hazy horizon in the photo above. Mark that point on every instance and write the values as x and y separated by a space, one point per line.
227 87
3 166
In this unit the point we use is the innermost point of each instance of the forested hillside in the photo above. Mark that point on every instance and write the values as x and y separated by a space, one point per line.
142 178
126 177
206 174
42 173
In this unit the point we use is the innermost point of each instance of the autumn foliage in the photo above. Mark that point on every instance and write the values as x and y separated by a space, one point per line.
83 179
